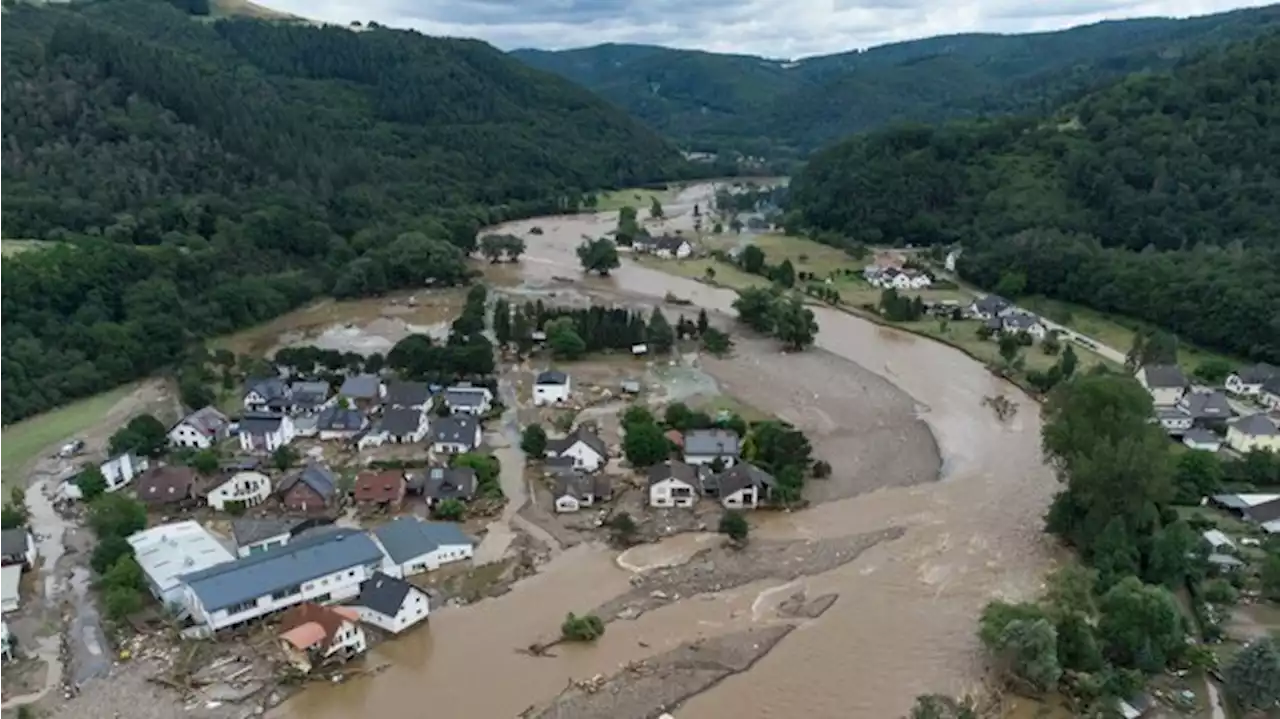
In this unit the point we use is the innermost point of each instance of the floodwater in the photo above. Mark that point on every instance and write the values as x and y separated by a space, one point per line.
906 617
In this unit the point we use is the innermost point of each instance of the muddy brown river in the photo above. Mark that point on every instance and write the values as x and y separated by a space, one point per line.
905 620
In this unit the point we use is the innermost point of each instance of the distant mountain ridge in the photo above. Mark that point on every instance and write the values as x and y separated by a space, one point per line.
710 101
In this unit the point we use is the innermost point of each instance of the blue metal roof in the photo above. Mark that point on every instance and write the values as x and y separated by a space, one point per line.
300 561
406 538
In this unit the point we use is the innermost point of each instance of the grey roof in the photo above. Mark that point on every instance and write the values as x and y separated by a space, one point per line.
407 538
401 420
743 475
269 387
383 594
671 469
1258 373
338 419
552 376
589 438
669 242
711 442
1201 436
260 423
302 560
13 541
1164 375
464 396
991 304
1207 405
315 477
1172 413
455 430
1021 321
1256 425
407 394
309 394
248 531
361 386
449 483
209 421
1272 386
1265 512
573 483
1224 560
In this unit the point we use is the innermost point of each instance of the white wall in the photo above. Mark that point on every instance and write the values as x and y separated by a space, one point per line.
583 456
550 393
661 494
340 585
184 435
263 545
704 459
252 488
431 561
416 607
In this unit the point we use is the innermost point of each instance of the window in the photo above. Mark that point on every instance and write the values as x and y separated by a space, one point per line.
287 592
241 607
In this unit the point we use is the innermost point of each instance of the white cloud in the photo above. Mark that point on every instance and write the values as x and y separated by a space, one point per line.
772 28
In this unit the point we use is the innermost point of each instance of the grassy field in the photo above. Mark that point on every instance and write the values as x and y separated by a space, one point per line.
639 198
964 334
23 441
9 248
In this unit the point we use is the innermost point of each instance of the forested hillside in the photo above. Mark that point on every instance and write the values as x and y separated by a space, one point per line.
1154 198
785 109
198 177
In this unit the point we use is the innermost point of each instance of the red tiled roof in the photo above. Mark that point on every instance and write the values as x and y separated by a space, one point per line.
380 486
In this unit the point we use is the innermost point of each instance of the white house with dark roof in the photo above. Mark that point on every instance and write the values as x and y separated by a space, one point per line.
1202 439
170 551
18 546
337 423
119 472
455 435
402 394
266 394
673 484
265 432
414 546
989 307
1248 381
671 247
364 391
706 446
307 398
468 400
323 567
1164 382
574 491
1270 394
1253 432
390 604
588 452
1015 322
254 536
551 387
1173 420
437 484
245 489
199 430
744 486
404 425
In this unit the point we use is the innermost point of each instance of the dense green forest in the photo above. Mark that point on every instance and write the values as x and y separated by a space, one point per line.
195 177
1154 198
779 109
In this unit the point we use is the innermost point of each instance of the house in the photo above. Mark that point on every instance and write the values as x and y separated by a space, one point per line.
18 546
454 435
170 484
1206 409
312 635
551 387
321 567
1224 562
1173 420
1218 540
673 484
585 447
265 432
990 307
573 491
671 246
1265 514
242 489
11 584
121 469
335 422
169 551
313 488
744 486
950 262
1248 381
414 546
1015 322
630 386
254 536
363 391
465 399
404 425
269 394
199 430
384 488
1239 504
440 483
307 398
1253 432
408 395
707 446
1165 383
1202 439
390 604
1270 394
1136 707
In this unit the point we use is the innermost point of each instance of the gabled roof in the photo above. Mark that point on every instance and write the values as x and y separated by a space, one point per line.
991 304
379 486
1265 512
1271 386
743 475
361 386
670 242
407 538
208 421
1164 376
400 420
384 594
309 624
1256 425
552 376
458 429
170 483
1201 436
711 442
1207 405
464 396
672 469
248 531
268 388
587 437
309 394
13 541
1021 321
318 478
302 560
449 483
1258 373
407 394
337 419
260 423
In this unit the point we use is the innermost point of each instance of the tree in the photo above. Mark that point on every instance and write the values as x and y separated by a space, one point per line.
655 209
937 706
205 461
502 321
116 515
1141 626
785 274
1067 362
1009 347
563 339
716 342
598 256
1024 642
450 510
1051 345
284 457
125 572
1270 576
1253 675
533 442
703 321
1195 476
755 308
13 516
144 435
659 334
1214 370
734 526
586 628
194 393
752 259
108 551
644 444
1012 284
794 324
624 528
120 602
90 482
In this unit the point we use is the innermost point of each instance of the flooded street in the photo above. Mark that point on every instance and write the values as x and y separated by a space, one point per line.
905 620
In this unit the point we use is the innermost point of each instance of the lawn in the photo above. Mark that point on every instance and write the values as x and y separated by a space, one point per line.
640 198
964 334
9 248
22 442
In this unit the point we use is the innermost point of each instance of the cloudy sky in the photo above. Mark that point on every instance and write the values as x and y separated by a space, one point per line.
772 28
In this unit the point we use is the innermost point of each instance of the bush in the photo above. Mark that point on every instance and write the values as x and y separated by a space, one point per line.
1219 591
108 552
624 528
581 629
821 469
735 526
450 510
120 602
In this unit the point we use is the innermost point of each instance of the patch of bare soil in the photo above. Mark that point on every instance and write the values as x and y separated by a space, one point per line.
644 689
722 568
866 428
799 606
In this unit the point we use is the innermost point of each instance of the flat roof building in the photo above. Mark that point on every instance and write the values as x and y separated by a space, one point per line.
169 551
